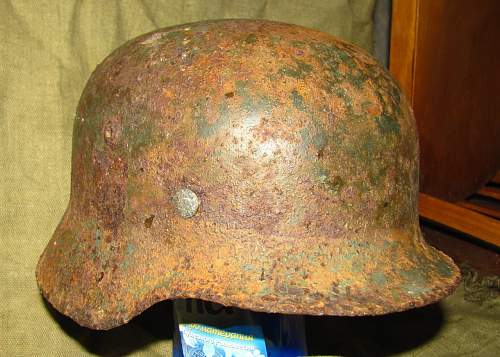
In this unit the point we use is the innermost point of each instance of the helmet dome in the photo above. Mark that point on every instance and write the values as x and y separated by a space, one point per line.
250 163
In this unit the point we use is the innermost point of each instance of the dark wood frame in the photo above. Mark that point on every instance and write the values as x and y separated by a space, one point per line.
417 26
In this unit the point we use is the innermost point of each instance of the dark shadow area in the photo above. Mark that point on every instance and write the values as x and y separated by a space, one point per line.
482 256
346 336
156 323
373 335
457 234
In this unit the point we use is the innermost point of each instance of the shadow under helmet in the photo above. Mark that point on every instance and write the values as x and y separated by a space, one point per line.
250 163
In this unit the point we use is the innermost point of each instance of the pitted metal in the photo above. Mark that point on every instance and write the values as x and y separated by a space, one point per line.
245 162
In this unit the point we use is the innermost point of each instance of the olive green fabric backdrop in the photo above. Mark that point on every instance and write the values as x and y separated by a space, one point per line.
47 51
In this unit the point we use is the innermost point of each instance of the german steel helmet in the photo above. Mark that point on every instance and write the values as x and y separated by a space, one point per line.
250 163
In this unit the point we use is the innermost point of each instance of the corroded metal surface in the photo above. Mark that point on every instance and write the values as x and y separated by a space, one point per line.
249 163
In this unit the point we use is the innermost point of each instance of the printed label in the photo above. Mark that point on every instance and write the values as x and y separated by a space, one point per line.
200 340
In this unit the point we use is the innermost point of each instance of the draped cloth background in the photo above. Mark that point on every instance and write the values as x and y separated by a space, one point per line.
47 51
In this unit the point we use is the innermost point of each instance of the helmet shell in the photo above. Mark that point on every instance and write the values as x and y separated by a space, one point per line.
245 162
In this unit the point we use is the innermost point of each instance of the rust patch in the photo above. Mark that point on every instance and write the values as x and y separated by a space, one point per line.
110 182
112 131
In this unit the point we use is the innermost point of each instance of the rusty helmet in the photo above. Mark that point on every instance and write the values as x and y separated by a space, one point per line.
250 163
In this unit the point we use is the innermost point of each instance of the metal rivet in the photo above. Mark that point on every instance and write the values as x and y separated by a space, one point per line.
186 202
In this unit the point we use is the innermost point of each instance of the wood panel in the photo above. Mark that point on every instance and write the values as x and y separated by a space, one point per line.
492 212
491 192
462 219
455 95
444 54
403 43
496 178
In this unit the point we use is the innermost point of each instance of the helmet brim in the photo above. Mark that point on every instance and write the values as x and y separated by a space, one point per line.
101 283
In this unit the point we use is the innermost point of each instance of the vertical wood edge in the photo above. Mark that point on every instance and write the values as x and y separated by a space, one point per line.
404 44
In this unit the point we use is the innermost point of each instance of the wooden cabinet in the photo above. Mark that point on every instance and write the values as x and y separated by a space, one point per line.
446 56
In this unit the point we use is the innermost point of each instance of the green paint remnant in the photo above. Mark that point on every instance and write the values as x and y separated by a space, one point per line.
344 95
341 287
97 236
251 38
333 185
387 125
133 186
121 308
357 79
129 251
298 100
320 137
242 86
265 102
344 285
323 174
89 224
299 71
359 244
368 146
414 289
297 43
259 103
356 266
143 52
272 77
395 95
296 216
265 291
319 140
364 149
204 128
248 267
376 176
390 98
306 138
416 282
336 268
386 213
138 131
233 52
362 186
139 135
379 278
332 57
275 39
90 125
444 269
344 57
96 253
172 35
251 102
130 248
396 296
314 134
366 106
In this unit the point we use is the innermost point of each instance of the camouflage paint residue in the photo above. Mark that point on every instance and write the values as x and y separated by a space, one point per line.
298 71
379 278
387 125
298 100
